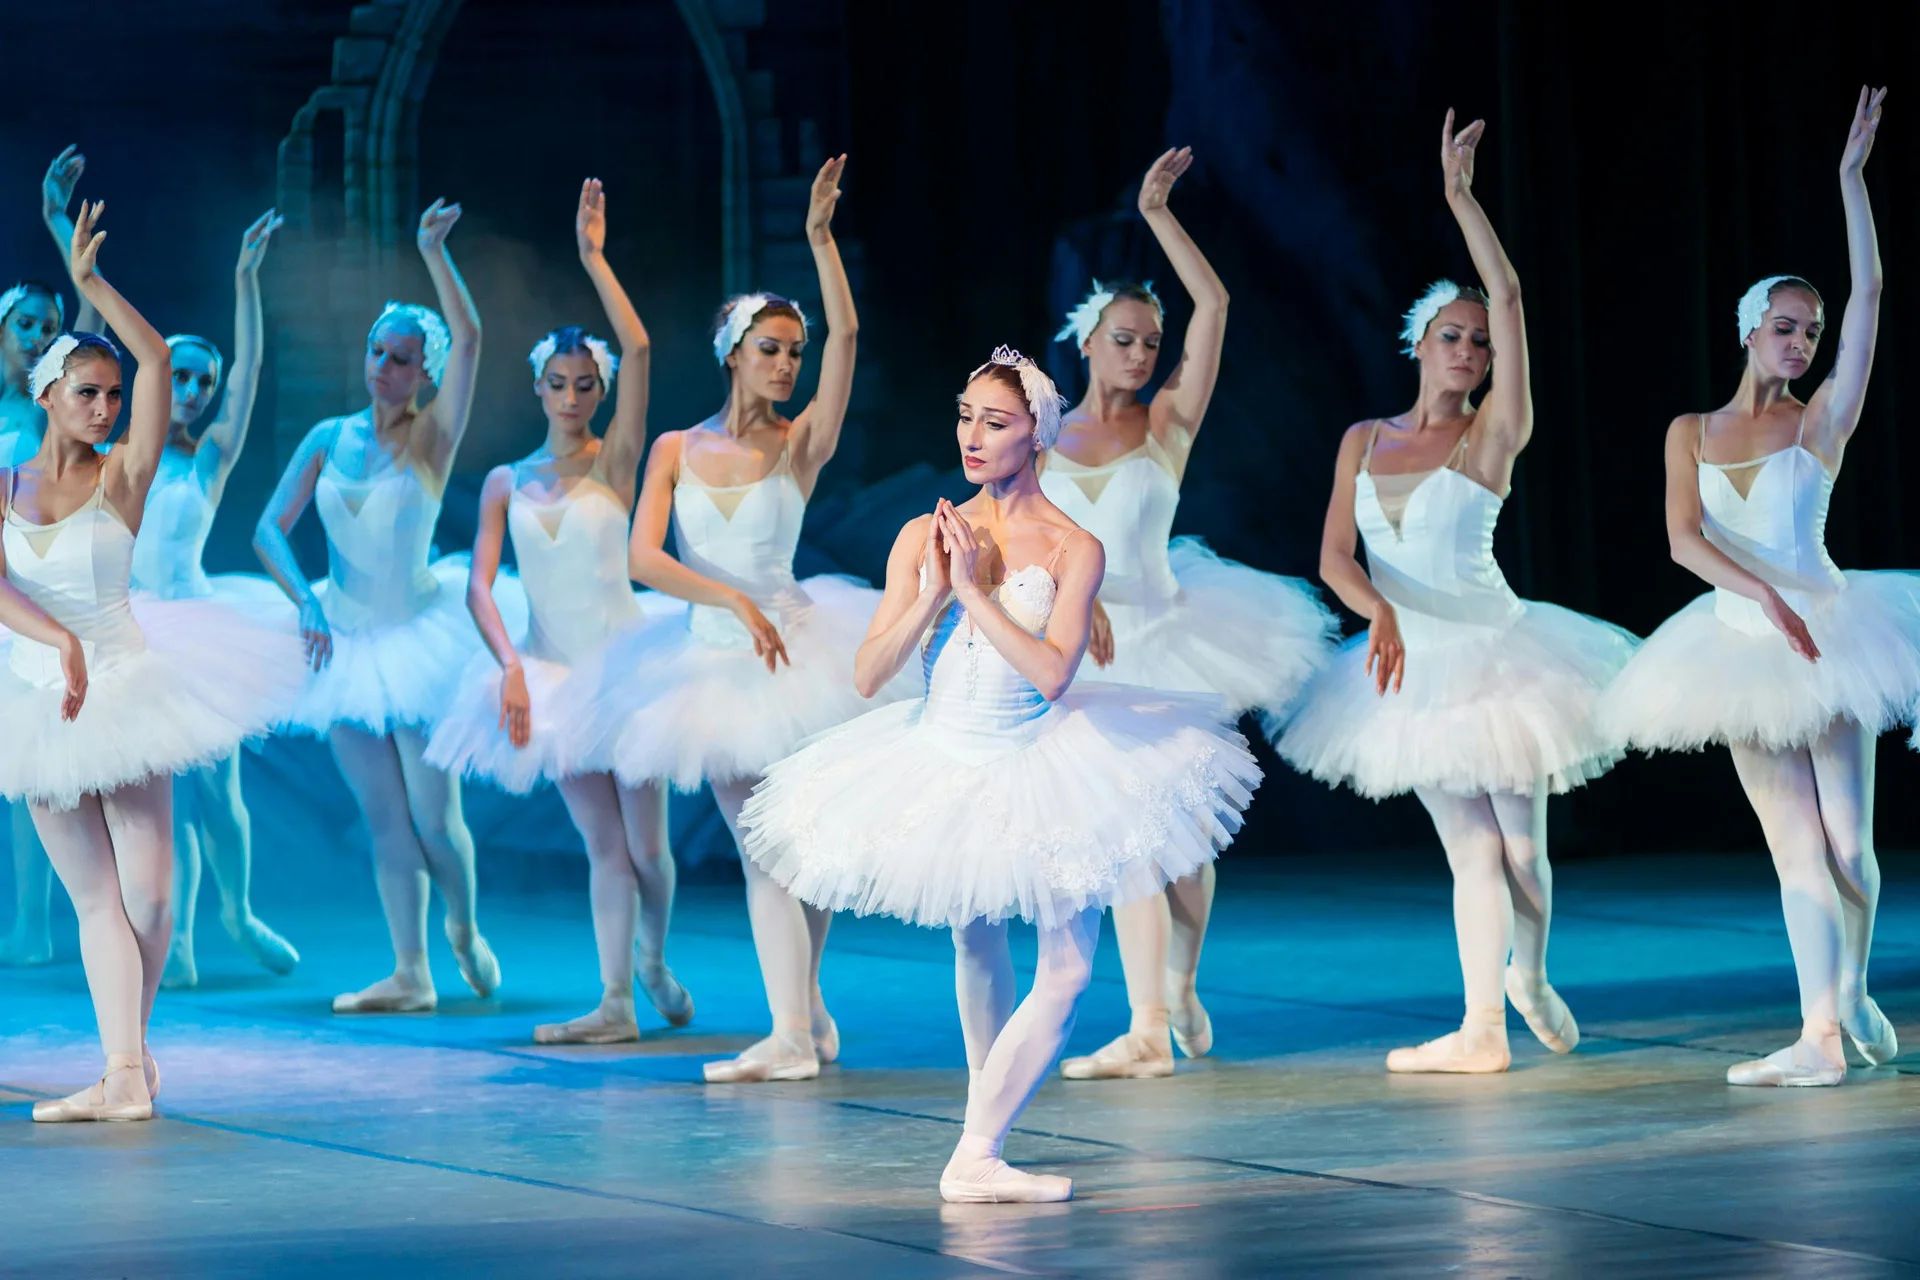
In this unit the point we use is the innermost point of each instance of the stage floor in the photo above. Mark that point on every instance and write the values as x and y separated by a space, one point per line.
296 1143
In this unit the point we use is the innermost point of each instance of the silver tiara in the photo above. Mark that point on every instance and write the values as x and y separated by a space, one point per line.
1007 356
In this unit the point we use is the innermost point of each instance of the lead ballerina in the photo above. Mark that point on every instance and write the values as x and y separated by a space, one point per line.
1795 666
1003 792
1171 614
1477 701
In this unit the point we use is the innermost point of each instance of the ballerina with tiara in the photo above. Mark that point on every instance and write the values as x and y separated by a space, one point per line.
387 633
106 697
566 508
1002 792
1478 702
759 662
1791 663
1171 614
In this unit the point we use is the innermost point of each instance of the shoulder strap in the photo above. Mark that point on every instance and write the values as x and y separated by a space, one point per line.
1373 434
1801 433
1061 546
1459 454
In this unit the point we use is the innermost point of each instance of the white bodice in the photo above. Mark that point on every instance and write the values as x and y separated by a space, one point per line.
1128 504
379 535
745 536
1437 567
78 571
1778 532
174 529
970 687
572 557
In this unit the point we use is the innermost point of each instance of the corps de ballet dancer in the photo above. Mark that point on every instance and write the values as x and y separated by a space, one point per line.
1792 664
1477 701
387 632
720 694
1171 614
566 507
1003 792
106 697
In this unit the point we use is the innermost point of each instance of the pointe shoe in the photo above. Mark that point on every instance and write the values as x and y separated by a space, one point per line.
1800 1064
605 1025
151 1070
1468 1051
774 1058
669 999
995 1181
1546 1013
180 972
389 995
826 1038
25 952
476 961
1128 1057
1871 1033
92 1102
269 950
1191 1026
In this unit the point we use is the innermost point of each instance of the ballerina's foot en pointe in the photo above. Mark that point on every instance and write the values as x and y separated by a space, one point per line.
263 946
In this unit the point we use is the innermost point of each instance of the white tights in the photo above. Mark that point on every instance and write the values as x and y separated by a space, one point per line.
1815 806
788 934
1160 938
412 812
114 855
630 871
1502 886
1010 1051
211 826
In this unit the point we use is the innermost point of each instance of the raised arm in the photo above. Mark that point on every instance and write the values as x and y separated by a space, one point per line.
917 590
1048 661
515 706
453 403
1507 413
1691 550
1835 407
626 438
56 194
1341 570
132 463
228 434
1181 404
816 432
283 510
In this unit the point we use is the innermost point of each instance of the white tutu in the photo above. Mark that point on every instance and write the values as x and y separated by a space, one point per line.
470 741
1253 638
1498 711
1699 680
387 675
255 595
208 678
1106 798
664 703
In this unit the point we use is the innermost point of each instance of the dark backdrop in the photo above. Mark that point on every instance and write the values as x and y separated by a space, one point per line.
1641 174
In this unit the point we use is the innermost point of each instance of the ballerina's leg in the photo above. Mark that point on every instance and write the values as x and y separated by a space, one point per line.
225 828
1523 831
181 968
433 800
613 889
1843 772
371 766
643 813
31 941
1144 929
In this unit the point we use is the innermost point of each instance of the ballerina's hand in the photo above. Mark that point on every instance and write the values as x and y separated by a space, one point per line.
316 634
86 242
1456 153
1100 638
1386 654
933 561
963 551
826 195
1791 625
253 242
590 222
1158 184
63 175
767 644
1866 123
73 665
435 222
516 709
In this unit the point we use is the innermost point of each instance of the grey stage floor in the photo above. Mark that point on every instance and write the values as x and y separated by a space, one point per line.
294 1143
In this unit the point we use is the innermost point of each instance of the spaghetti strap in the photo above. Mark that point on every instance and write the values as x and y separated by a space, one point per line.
1061 546
1800 435
1366 459
1459 454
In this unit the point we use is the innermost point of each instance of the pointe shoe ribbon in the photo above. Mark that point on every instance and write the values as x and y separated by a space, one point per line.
91 1103
1872 1034
1799 1065
772 1059
1546 1013
1128 1057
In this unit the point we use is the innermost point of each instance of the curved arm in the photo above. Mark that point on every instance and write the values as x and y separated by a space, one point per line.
487 542
453 405
1685 541
19 614
228 433
284 509
138 455
1048 661
1508 410
56 193
1181 403
647 560
626 438
906 610
1835 407
816 432
1340 566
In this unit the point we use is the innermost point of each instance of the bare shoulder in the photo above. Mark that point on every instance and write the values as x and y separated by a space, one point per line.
1685 430
500 482
666 447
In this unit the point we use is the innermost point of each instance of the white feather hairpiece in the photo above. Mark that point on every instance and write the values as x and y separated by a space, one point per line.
49 368
1754 303
1421 314
740 316
603 359
16 295
1044 400
436 341
1085 318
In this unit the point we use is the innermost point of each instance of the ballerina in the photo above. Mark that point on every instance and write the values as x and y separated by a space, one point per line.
105 697
1477 701
1003 792
1170 615
566 507
722 693
386 632
1791 663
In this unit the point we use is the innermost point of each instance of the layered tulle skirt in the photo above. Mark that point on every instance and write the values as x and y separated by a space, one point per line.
1699 679
685 700
1253 638
208 678
1105 798
1495 709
